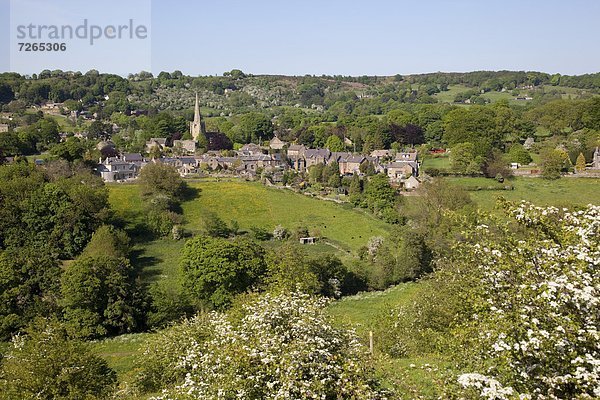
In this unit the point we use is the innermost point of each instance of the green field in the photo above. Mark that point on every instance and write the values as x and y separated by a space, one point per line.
442 162
342 228
564 192
252 204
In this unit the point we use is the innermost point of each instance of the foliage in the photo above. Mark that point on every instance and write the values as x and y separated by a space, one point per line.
167 304
162 222
292 269
465 160
29 287
280 233
282 347
405 256
538 323
216 269
553 163
519 154
161 179
214 226
516 302
72 149
100 296
159 359
580 163
108 241
380 197
46 364
334 143
57 216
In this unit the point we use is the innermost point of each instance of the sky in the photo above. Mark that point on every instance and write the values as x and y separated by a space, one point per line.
334 37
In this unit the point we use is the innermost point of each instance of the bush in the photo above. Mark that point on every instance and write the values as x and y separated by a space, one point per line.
157 178
101 296
159 358
167 305
46 364
215 226
433 172
29 287
282 347
216 269
280 233
162 222
108 241
259 233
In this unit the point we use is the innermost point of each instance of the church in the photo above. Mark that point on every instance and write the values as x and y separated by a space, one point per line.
212 140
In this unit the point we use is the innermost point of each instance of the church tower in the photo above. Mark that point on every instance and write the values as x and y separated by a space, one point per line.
197 127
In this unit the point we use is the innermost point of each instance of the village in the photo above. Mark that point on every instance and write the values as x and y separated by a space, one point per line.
251 161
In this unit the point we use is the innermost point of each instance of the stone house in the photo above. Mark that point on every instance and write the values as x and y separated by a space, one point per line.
276 143
411 183
186 146
350 164
398 171
160 143
114 169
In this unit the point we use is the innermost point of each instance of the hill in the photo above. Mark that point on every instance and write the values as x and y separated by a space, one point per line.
343 229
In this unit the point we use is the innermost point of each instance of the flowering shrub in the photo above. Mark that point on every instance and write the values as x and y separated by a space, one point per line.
283 347
540 314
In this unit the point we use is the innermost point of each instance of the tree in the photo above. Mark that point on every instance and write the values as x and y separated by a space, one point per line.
495 166
108 241
334 143
409 134
99 130
580 164
355 190
47 364
58 217
528 295
380 197
161 179
101 296
475 125
315 173
553 163
71 149
255 127
29 287
280 346
519 154
464 159
216 269
215 226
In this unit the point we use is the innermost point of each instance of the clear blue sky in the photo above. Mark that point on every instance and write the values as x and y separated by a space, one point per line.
375 37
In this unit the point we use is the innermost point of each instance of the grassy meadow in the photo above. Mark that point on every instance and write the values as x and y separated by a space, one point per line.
251 204
564 192
343 229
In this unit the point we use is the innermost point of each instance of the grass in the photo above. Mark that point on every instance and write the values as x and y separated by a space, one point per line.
410 377
567 192
361 311
442 162
250 204
120 352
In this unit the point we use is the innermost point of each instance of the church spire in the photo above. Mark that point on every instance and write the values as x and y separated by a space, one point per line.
197 126
197 111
